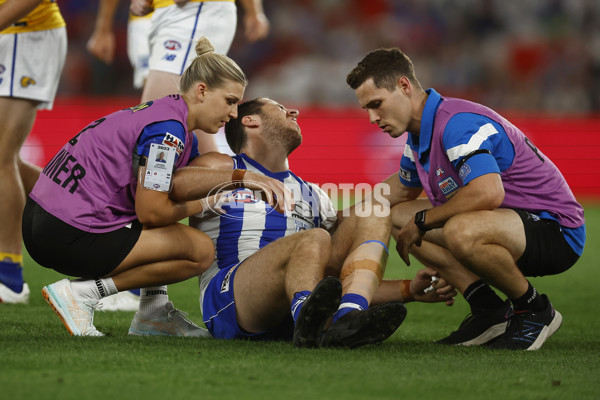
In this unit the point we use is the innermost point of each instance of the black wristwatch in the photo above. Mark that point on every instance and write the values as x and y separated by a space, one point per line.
420 221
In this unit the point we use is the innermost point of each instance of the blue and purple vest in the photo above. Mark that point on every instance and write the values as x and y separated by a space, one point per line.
90 183
529 183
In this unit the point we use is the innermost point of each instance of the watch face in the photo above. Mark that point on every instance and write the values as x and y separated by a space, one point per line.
420 220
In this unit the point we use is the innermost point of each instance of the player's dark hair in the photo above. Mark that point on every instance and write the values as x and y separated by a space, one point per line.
385 66
234 129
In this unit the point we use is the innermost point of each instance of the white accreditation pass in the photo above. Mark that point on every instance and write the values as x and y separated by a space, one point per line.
159 168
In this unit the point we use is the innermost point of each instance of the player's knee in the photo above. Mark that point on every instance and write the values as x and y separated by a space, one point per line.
459 235
202 252
318 236
316 240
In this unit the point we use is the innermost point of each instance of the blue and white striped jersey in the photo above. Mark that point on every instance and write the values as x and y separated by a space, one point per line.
245 223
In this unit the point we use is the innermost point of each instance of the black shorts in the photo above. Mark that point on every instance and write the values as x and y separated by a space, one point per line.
547 252
57 245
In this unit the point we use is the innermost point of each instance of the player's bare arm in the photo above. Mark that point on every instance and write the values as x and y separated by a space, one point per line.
483 193
155 208
256 24
214 170
13 10
102 42
409 290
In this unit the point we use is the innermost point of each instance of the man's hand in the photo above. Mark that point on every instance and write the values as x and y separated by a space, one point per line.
277 195
443 291
102 46
141 7
256 27
409 234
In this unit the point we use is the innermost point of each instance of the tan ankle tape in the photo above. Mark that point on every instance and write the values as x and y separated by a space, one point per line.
362 282
370 255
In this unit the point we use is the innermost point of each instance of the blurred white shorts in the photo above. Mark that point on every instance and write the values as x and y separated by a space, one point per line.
176 30
138 49
31 64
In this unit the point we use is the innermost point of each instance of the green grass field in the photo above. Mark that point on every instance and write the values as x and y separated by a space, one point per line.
38 358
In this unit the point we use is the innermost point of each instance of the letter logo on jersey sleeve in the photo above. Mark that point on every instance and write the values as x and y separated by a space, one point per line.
404 174
175 142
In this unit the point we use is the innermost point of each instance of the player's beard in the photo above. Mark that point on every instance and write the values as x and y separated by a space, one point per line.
289 138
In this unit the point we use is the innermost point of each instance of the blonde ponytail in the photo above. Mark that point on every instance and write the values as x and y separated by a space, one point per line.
204 46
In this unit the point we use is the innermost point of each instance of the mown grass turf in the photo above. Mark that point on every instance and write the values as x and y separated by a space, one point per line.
38 359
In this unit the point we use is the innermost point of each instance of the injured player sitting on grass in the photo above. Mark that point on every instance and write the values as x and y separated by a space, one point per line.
285 276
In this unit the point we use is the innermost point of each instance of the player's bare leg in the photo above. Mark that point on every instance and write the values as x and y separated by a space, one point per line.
360 246
161 256
18 116
489 312
29 174
288 276
433 251
266 282
489 243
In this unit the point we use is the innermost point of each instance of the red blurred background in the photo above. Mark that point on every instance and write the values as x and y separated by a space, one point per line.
341 146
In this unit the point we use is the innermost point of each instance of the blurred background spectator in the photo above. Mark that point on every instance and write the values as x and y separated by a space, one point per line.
534 55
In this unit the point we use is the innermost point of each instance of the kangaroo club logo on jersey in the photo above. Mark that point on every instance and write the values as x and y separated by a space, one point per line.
173 141
27 81
172 45
439 172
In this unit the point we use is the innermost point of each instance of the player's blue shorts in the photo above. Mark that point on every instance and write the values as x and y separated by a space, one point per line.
218 311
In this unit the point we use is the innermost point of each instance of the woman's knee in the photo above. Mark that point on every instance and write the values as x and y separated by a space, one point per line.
201 250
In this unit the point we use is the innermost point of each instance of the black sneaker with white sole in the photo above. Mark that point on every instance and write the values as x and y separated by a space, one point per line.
479 328
528 330
323 301
361 327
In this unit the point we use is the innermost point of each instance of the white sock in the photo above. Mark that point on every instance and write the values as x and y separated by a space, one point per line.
85 289
108 285
153 298
93 288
